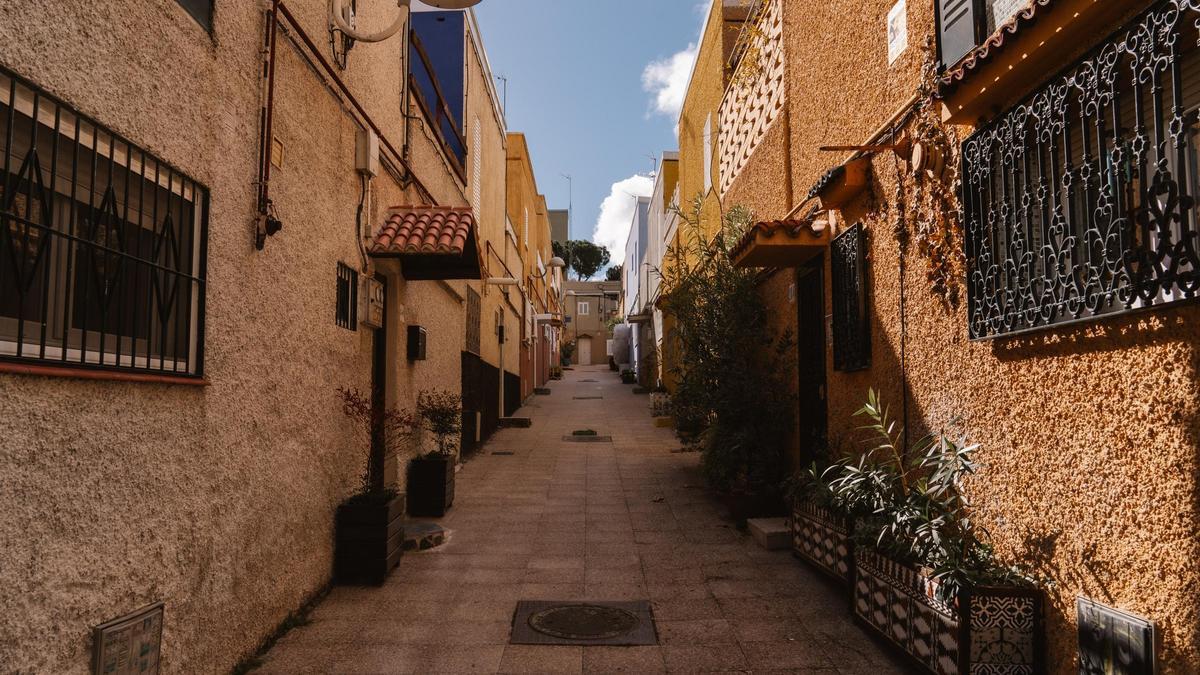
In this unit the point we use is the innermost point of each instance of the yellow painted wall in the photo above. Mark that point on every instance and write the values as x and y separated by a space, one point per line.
1089 435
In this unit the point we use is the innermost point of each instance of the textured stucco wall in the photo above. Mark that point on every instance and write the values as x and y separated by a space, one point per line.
702 103
218 500
1089 436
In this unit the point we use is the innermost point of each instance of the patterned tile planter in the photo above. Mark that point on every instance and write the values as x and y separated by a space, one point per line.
988 631
822 539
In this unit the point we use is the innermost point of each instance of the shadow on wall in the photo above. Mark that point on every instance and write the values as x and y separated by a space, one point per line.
1106 334
1092 566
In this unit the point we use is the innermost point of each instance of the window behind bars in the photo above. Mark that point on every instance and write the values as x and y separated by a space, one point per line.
1080 202
101 244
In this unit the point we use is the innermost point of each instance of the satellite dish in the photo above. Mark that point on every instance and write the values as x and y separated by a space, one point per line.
338 15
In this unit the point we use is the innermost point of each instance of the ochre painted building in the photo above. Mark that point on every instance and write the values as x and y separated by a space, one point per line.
1088 431
175 434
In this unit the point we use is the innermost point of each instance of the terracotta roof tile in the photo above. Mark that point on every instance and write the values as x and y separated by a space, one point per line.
437 230
995 42
770 228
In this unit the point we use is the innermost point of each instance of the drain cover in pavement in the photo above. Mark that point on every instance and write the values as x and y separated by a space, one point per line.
583 623
587 380
586 398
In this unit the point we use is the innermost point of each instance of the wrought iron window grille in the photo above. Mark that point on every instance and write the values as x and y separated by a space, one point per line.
102 245
851 323
1080 202
346 315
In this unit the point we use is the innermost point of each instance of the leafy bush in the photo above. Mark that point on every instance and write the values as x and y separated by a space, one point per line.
731 369
394 424
912 507
441 415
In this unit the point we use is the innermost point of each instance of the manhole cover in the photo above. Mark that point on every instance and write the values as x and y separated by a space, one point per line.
584 622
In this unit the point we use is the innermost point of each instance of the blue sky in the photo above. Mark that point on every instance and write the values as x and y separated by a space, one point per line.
595 86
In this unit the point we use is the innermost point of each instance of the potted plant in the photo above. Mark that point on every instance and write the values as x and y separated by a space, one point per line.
628 376
431 475
369 526
925 578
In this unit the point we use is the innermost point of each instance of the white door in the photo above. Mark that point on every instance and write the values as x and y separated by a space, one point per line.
585 352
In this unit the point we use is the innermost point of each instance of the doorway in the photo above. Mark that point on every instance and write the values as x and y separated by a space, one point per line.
379 369
585 351
812 425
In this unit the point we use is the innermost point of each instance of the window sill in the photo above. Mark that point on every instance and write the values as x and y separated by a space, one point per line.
105 375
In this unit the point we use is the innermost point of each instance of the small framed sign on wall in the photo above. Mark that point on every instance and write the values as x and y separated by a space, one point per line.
130 645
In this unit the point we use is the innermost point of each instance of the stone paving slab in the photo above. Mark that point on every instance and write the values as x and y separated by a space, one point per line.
557 520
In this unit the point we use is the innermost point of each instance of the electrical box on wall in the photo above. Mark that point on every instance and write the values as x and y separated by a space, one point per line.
416 343
371 298
366 152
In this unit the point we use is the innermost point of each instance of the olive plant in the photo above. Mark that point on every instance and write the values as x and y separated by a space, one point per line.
911 504
732 390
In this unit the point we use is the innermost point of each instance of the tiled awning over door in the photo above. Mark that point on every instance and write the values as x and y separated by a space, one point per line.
431 242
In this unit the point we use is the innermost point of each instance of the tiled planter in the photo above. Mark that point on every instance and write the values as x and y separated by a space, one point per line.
822 539
988 631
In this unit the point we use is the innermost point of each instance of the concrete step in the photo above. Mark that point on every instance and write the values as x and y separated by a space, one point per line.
770 533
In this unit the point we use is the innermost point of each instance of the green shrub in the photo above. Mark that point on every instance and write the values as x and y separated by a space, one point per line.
732 369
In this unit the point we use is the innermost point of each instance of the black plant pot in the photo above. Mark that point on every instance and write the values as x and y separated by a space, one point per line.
370 540
430 486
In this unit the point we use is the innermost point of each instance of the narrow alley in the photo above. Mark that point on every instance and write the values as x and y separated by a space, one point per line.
599 521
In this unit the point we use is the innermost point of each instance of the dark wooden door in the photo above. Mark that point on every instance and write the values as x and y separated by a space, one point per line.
379 368
810 363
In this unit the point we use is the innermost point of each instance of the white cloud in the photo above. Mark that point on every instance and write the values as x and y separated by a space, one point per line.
667 80
616 214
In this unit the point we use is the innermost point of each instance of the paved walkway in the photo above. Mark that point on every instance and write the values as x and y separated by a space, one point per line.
627 520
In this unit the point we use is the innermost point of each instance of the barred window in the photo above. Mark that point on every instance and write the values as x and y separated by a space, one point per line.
1080 202
101 244
201 11
851 327
347 297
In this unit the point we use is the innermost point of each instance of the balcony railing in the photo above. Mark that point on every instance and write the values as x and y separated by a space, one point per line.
1080 201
